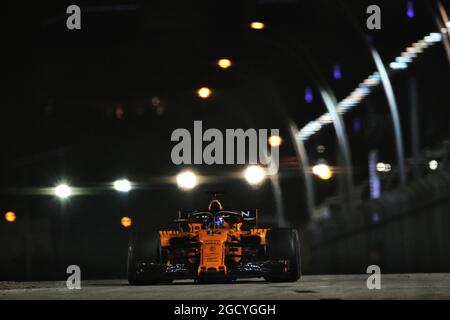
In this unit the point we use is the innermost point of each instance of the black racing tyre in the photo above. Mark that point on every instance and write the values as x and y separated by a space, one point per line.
283 246
144 247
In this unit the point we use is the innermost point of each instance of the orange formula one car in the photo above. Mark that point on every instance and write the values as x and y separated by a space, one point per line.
214 245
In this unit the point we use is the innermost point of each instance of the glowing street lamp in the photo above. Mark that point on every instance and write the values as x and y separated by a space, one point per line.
204 92
275 141
10 216
224 63
126 222
63 191
187 180
254 175
257 25
122 185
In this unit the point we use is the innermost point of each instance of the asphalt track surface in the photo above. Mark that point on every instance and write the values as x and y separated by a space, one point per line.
393 286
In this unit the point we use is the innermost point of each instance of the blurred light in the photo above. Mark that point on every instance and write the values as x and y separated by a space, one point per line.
323 171
433 164
374 179
383 167
403 59
308 130
224 63
257 25
187 180
371 82
375 217
204 92
409 54
447 24
126 222
406 57
308 95
122 185
356 125
414 50
254 175
433 37
337 74
156 101
325 119
410 9
63 191
421 44
275 141
320 148
363 89
398 65
380 167
119 112
10 216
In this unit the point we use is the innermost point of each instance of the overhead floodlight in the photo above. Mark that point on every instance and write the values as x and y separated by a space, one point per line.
122 185
63 191
187 180
254 175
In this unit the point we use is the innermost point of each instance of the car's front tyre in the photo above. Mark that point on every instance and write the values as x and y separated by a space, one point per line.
144 249
283 251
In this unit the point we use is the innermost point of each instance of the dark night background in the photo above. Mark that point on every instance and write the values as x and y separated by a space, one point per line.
90 106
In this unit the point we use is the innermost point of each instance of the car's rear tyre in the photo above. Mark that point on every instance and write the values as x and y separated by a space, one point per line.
283 249
144 248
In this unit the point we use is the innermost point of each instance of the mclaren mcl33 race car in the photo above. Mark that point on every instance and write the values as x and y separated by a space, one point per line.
214 245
